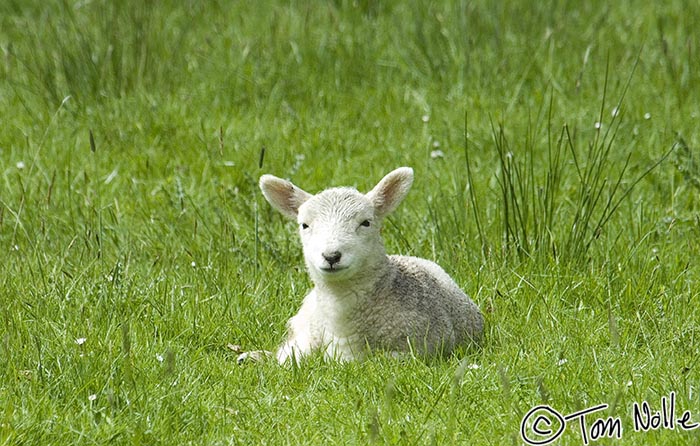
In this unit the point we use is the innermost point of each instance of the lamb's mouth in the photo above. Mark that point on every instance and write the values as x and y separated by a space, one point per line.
333 269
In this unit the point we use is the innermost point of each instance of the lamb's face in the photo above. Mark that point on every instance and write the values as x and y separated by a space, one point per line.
339 227
340 234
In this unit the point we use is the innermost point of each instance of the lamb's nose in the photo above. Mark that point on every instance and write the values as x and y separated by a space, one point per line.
332 257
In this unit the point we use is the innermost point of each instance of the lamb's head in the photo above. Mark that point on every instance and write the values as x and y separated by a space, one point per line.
339 227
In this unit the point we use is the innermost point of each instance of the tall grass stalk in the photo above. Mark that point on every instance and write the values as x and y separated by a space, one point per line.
538 218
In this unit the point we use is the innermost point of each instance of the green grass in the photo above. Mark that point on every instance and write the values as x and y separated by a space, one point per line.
135 245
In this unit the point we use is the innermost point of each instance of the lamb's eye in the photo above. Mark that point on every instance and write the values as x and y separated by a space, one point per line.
304 226
365 223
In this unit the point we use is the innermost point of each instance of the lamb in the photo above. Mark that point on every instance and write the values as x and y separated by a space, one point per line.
363 299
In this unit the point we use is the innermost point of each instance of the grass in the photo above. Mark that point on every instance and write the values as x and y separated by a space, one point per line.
135 245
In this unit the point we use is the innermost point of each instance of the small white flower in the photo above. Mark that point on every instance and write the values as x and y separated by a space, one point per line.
80 341
436 144
21 165
15 247
647 116
629 383
193 264
425 118
615 112
159 358
597 125
92 397
562 361
473 366
437 154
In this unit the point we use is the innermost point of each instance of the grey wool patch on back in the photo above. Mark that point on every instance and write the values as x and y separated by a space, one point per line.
420 308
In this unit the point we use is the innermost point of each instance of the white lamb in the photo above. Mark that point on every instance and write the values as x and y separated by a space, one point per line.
364 300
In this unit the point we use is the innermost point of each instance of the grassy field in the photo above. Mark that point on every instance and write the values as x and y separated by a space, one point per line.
556 147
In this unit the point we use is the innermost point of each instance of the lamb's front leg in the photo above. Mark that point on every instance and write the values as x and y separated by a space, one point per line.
300 341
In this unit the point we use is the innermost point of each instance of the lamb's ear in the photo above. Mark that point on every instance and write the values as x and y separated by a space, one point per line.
391 190
283 195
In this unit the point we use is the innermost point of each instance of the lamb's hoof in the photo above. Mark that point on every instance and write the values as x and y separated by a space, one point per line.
253 356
